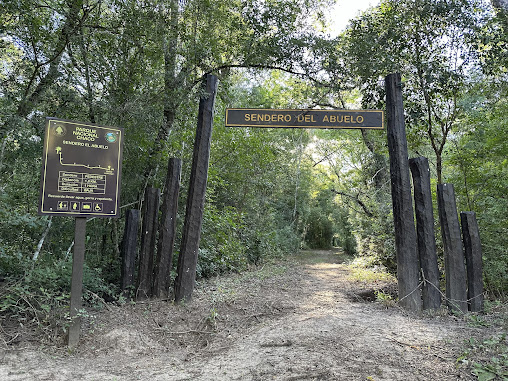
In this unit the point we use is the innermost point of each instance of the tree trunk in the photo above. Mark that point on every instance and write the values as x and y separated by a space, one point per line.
172 86
439 167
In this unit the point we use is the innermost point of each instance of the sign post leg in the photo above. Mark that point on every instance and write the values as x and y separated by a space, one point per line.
78 260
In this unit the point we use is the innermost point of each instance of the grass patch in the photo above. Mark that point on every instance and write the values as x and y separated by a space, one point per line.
366 269
313 257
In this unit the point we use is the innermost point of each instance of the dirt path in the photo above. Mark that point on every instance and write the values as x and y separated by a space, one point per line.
296 321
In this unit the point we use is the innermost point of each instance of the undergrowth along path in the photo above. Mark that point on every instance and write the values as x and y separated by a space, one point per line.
308 318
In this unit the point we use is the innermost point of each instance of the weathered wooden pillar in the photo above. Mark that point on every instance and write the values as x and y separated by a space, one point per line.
473 251
129 251
455 271
187 260
405 233
167 229
148 236
425 232
78 260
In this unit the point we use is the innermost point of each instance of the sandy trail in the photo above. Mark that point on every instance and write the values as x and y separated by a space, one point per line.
292 321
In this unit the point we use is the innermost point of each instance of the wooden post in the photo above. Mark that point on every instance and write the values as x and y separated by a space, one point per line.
167 229
473 251
129 250
455 271
425 232
78 260
188 258
405 233
148 236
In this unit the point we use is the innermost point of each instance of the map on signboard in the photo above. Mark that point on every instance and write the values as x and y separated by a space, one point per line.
81 169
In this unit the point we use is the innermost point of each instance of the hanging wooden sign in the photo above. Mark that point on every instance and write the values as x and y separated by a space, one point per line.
305 118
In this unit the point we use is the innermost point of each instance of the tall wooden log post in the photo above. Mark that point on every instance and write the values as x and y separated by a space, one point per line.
455 271
148 236
405 233
425 232
473 251
78 260
129 251
167 229
188 257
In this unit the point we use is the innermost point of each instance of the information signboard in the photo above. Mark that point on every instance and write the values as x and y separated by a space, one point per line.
81 169
305 118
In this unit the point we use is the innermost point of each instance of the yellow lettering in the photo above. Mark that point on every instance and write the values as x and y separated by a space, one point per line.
325 118
347 119
287 118
359 119
247 117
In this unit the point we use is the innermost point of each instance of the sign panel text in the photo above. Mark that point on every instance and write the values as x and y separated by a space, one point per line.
81 169
305 118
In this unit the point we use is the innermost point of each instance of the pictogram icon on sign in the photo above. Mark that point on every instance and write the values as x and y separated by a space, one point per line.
62 205
86 206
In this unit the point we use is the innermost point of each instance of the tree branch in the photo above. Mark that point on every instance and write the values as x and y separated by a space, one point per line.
357 200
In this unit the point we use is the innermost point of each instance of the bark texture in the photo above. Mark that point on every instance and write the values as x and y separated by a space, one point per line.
405 233
455 271
473 251
425 232
188 258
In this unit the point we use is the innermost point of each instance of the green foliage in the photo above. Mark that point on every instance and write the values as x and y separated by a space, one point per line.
368 269
270 191
487 358
221 248
38 296
320 227
479 167
451 55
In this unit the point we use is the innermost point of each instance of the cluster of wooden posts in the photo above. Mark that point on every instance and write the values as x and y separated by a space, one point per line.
158 237
417 265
